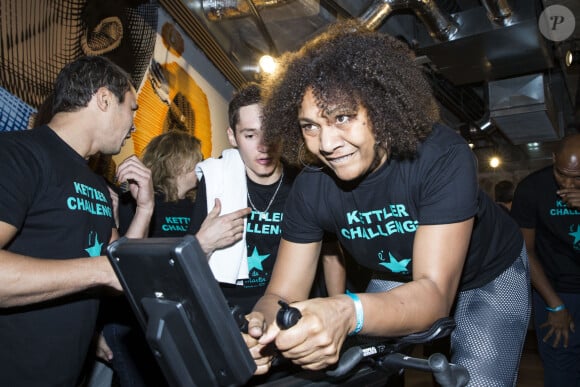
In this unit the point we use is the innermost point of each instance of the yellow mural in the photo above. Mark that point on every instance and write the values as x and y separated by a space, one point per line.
182 105
127 32
170 99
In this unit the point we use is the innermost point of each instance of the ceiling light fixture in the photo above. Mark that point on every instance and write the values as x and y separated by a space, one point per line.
572 57
267 64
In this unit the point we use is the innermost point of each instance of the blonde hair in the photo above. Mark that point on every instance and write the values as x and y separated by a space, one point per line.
169 155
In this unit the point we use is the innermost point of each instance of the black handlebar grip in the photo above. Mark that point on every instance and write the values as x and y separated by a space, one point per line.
239 318
348 360
287 316
448 374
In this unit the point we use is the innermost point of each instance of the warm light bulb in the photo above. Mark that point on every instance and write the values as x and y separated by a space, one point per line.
267 64
569 58
494 162
572 57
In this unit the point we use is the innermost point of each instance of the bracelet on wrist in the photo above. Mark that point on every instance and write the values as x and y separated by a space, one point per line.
358 309
556 308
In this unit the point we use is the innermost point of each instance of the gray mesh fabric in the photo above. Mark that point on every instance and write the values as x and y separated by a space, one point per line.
491 323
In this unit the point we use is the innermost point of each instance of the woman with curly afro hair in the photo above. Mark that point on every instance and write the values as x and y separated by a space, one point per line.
400 192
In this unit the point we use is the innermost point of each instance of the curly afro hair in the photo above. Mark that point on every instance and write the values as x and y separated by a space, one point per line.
350 64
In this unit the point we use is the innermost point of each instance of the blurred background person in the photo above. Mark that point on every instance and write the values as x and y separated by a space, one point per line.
504 194
172 158
547 207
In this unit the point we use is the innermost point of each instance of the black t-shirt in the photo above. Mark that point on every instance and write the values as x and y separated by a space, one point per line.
375 220
62 210
262 237
536 205
170 219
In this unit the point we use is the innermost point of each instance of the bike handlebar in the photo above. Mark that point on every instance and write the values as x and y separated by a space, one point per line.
385 354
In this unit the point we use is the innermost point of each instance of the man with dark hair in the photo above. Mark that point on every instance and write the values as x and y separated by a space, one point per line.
266 180
257 170
547 208
504 194
56 219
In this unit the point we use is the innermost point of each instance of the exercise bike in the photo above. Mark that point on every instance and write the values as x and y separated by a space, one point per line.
188 326
372 361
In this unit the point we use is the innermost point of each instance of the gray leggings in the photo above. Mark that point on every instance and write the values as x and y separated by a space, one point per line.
492 323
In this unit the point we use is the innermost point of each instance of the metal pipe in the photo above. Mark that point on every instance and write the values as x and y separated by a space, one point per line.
216 10
440 26
498 11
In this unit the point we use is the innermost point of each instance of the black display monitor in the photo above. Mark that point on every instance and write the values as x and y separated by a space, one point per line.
186 319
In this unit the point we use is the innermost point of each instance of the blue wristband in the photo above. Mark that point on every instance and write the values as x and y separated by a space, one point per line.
360 316
556 309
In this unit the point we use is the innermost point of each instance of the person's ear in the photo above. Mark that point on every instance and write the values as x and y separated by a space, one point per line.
104 98
232 137
104 37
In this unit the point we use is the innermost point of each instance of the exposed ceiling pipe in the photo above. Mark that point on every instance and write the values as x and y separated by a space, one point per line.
440 26
498 11
273 50
216 10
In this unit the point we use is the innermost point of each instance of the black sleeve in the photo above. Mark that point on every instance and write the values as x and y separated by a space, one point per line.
524 206
127 208
199 208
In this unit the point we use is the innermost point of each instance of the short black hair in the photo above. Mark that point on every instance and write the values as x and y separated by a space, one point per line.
248 94
79 80
504 191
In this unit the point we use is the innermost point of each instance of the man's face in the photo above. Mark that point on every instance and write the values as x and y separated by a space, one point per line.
260 160
119 123
567 170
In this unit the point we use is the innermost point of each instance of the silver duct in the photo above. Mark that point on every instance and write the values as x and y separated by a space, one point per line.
498 11
439 25
523 108
216 10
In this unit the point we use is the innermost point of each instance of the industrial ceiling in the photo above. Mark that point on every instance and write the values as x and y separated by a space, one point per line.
498 73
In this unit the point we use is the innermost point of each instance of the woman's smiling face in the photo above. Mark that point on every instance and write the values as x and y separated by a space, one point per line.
340 135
